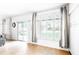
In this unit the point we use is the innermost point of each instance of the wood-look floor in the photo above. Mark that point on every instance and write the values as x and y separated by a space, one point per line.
23 48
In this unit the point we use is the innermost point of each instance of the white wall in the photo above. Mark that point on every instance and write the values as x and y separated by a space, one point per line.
74 28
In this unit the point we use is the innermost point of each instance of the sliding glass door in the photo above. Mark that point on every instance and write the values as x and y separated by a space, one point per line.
48 27
23 27
24 30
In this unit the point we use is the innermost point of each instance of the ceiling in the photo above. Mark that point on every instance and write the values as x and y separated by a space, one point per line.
13 7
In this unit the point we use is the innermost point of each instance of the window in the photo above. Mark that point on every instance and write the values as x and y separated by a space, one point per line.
48 26
24 30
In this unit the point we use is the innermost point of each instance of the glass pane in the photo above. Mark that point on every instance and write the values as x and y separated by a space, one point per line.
23 27
24 30
48 26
